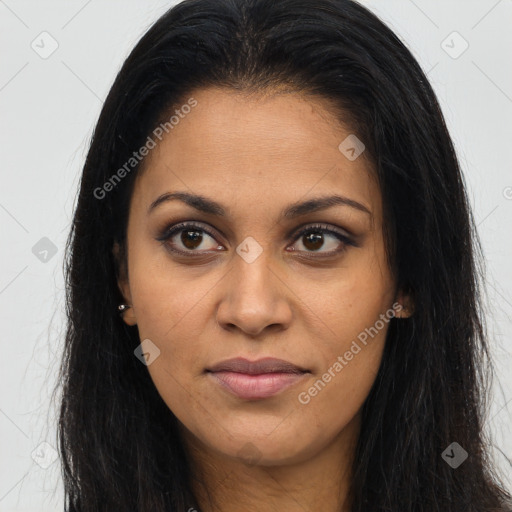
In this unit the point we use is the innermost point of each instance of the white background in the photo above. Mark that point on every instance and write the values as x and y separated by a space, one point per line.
48 111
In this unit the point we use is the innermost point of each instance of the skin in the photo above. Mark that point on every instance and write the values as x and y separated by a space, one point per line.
256 155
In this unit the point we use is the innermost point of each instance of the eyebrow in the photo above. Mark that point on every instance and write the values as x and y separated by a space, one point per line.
205 205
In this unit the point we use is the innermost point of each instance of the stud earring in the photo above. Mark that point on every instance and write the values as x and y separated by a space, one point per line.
123 307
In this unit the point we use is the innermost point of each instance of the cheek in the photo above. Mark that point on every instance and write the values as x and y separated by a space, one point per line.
333 399
341 389
171 309
172 313
350 338
349 365
345 304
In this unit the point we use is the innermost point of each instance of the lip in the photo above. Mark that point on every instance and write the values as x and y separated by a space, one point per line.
264 365
255 380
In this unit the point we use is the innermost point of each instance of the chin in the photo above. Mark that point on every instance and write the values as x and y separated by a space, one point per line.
257 450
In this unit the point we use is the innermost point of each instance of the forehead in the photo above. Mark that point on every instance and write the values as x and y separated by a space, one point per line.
246 148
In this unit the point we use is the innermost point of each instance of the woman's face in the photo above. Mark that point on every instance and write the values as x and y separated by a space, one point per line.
243 283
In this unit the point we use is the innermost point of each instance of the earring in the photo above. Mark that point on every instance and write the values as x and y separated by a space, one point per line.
123 307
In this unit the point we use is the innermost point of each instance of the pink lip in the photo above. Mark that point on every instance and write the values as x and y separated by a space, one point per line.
253 380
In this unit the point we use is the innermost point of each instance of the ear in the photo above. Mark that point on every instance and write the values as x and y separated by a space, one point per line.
123 283
404 305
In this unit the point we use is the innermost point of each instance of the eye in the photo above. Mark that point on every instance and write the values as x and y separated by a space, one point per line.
193 242
190 241
314 238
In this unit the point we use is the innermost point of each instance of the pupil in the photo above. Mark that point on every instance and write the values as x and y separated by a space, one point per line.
314 241
189 238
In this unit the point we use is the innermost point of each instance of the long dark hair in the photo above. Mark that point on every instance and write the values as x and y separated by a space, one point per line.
119 442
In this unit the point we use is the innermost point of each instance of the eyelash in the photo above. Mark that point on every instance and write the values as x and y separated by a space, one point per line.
170 232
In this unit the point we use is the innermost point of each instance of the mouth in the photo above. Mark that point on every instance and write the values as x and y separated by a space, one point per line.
256 380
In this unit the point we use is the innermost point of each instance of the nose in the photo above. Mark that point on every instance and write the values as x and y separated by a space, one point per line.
254 298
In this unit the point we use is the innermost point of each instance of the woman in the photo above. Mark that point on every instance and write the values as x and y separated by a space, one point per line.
273 280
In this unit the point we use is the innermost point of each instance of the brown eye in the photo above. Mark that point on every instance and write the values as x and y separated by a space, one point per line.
192 239
313 241
316 238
